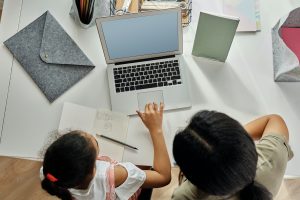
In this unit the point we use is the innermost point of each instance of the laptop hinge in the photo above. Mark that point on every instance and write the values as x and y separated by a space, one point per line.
146 59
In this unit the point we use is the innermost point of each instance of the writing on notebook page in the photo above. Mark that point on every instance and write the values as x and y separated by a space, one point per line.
93 121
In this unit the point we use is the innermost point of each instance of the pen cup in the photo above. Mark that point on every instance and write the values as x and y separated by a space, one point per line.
84 12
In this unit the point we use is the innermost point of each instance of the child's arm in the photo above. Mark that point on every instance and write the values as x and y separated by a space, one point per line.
267 124
161 173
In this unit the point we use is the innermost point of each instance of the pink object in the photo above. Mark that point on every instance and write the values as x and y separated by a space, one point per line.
291 37
51 178
110 180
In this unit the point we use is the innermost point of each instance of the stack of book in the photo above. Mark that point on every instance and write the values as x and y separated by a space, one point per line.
185 5
247 11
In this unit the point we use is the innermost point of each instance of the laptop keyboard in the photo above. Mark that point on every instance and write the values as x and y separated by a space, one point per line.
143 76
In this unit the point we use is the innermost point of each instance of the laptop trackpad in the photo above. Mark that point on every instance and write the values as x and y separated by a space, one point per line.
149 97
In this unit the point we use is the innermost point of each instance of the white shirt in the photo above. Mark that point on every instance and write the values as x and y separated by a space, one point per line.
97 187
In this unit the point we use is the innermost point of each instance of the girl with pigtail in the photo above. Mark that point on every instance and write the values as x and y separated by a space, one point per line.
72 168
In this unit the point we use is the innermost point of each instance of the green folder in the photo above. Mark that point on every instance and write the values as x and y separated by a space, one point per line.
214 36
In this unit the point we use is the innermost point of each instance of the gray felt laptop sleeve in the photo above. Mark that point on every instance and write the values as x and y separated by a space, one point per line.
49 55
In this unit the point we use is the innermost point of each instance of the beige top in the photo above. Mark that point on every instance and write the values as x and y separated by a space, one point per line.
273 154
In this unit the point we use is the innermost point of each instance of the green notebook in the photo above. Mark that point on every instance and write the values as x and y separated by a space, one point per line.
214 36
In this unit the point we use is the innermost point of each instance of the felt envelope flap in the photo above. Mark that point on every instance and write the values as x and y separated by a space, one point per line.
293 19
57 47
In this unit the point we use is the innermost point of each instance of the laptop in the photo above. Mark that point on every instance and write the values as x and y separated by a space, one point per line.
143 52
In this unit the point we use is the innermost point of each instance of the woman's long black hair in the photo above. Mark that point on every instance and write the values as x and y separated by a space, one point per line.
217 155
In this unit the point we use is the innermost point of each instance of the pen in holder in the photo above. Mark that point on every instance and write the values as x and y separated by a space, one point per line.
84 12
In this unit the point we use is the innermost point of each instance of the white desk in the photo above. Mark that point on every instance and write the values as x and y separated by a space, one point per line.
8 26
243 87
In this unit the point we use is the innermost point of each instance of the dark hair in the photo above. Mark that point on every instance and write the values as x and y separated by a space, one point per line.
217 155
70 159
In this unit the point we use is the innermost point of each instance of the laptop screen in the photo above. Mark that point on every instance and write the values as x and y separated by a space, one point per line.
141 35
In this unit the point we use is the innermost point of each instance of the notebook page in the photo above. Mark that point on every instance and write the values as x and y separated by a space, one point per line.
114 125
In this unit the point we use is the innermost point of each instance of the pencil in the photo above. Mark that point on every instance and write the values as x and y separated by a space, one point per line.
117 141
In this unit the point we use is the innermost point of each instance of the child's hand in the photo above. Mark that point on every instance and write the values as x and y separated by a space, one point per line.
152 117
161 173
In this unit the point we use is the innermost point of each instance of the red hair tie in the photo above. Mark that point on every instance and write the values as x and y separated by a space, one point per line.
51 178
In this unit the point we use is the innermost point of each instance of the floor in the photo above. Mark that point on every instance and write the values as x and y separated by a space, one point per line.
20 178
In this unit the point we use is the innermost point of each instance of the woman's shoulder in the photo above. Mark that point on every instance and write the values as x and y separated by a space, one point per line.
273 154
273 150
188 191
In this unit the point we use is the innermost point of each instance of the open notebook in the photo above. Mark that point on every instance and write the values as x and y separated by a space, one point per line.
104 122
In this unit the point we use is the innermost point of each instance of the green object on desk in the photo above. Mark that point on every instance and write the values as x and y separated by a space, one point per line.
214 36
